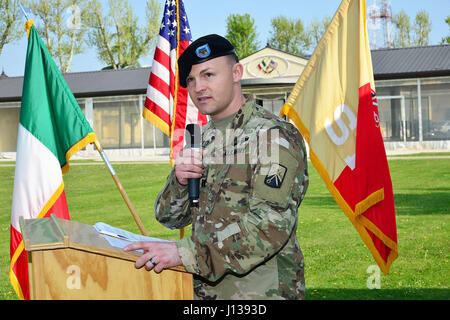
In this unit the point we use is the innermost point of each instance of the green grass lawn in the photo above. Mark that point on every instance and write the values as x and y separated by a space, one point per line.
335 256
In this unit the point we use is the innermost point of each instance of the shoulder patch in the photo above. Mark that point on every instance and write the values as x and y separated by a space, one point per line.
273 182
276 175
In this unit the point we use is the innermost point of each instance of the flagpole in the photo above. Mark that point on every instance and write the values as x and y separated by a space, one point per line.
23 11
120 187
182 235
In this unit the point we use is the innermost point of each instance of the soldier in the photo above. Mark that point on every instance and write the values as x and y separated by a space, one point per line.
253 171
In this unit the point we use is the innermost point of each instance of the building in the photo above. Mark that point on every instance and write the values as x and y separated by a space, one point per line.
112 102
412 84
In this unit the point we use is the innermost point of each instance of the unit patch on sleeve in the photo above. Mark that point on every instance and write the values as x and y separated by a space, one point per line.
275 177
274 181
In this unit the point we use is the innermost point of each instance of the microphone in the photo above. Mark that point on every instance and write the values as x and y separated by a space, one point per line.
192 137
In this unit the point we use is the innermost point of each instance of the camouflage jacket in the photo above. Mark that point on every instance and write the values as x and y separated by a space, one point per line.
243 243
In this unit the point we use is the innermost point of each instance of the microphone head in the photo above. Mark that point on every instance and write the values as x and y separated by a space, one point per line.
193 135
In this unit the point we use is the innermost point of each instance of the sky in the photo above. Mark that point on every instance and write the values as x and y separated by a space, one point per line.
209 16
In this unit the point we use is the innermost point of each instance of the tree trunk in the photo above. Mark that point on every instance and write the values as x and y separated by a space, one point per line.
105 40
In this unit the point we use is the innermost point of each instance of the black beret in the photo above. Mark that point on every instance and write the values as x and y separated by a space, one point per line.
201 50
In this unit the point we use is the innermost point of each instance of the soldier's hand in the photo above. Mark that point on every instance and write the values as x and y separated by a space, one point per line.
157 255
188 164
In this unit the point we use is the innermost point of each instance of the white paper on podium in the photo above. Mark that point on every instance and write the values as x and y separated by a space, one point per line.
121 238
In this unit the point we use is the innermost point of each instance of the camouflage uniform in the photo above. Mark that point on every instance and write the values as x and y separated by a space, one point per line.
243 243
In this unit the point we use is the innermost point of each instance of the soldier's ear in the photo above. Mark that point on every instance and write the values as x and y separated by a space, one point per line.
238 72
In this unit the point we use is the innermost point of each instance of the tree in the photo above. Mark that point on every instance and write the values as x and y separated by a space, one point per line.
407 35
241 32
422 28
402 23
60 26
9 22
117 36
446 40
289 35
316 30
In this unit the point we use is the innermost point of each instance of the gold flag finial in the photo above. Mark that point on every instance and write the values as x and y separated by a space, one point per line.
28 25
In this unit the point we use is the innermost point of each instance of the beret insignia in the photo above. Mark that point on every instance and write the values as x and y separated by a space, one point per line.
203 51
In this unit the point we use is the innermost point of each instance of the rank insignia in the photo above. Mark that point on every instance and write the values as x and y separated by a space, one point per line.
275 177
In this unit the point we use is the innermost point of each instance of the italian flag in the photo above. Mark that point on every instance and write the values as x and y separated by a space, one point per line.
261 65
52 128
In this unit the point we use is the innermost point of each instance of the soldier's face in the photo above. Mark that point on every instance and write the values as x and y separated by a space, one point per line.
212 86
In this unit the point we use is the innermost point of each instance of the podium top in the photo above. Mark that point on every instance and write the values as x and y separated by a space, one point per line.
55 233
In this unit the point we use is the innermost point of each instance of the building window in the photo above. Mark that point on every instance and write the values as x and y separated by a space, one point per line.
9 125
154 137
117 122
399 120
399 109
436 109
81 104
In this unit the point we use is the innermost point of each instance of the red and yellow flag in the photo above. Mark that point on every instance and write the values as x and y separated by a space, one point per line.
334 106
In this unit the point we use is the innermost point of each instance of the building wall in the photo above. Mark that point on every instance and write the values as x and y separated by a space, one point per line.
269 63
117 122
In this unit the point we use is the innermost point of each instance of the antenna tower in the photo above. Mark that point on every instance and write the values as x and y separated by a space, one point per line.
379 24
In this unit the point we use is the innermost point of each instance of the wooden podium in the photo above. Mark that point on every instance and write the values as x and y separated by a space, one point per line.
70 260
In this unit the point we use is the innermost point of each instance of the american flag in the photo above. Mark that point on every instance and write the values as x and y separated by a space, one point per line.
167 105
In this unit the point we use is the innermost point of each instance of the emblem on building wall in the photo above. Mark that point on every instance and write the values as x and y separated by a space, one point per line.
273 64
267 65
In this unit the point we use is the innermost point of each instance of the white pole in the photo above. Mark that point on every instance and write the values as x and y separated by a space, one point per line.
403 114
419 110
141 108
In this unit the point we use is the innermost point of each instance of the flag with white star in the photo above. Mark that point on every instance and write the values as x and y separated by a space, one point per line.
168 106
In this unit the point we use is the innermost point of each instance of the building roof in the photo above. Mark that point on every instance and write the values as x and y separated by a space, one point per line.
88 84
398 63
413 62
